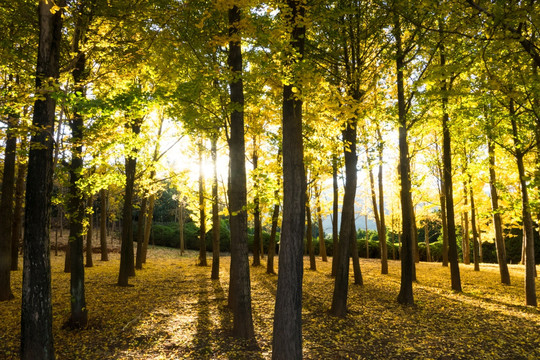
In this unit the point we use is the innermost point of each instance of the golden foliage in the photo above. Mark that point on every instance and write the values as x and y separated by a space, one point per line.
174 311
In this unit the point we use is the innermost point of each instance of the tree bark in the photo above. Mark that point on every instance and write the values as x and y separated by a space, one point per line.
90 233
335 212
6 210
36 310
426 236
357 271
202 211
476 248
103 225
322 244
465 241
141 222
181 226
148 227
127 263
18 210
382 233
257 250
240 287
447 185
497 222
287 331
405 296
309 237
215 214
528 235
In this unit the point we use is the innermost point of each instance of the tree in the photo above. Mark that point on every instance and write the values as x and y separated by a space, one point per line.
215 214
287 332
239 288
36 311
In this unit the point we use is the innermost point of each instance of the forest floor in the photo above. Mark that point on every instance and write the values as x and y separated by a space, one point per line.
175 311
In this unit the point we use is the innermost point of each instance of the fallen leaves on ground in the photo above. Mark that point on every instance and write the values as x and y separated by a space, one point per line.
175 311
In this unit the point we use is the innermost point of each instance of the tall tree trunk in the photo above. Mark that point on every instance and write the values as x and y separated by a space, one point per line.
497 222
90 233
287 331
322 244
18 210
6 210
426 236
366 235
358 280
202 211
127 261
215 213
181 227
444 228
309 236
447 185
476 248
335 214
257 250
103 225
148 227
341 286
465 240
36 310
275 219
141 222
407 255
528 235
373 196
382 233
240 287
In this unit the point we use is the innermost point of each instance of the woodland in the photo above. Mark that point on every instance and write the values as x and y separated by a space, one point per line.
230 132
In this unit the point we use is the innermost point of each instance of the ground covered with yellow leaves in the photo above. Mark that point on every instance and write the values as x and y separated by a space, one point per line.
175 311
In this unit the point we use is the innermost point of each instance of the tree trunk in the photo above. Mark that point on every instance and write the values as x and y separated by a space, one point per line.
476 248
366 236
497 222
447 185
373 199
148 227
215 214
426 236
465 240
382 233
240 287
141 222
335 212
405 296
272 243
322 244
287 331
309 237
6 210
358 280
444 228
528 235
103 225
127 263
341 286
36 310
181 226
18 210
90 233
257 250
202 211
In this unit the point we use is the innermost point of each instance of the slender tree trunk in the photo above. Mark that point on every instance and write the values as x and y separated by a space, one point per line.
447 185
103 225
239 288
141 222
275 219
497 222
528 235
90 233
127 263
287 331
18 210
407 255
335 212
36 310
358 280
148 227
426 236
6 210
465 241
309 236
444 229
202 211
415 239
366 236
341 286
257 250
382 233
215 214
476 248
322 245
181 226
